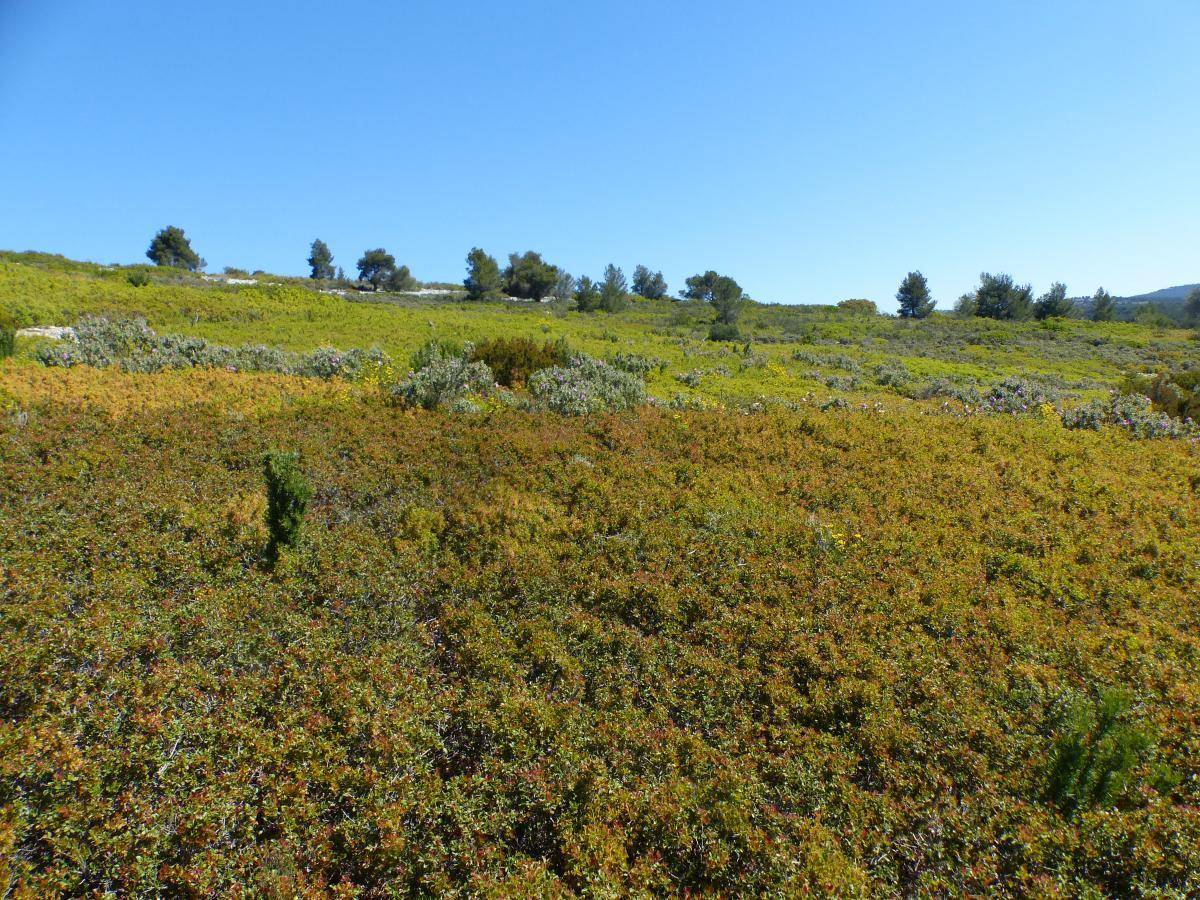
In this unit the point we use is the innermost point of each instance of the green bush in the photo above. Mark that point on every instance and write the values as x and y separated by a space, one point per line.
1095 752
288 493
435 348
8 334
724 331
138 278
513 360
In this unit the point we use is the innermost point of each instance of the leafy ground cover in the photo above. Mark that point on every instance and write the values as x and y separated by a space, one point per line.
826 651
846 610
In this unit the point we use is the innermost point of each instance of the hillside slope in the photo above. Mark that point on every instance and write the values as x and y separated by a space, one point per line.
828 636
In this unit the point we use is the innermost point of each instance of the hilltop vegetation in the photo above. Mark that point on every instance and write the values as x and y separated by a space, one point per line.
857 605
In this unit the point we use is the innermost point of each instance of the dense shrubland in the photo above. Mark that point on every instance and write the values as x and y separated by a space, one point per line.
873 649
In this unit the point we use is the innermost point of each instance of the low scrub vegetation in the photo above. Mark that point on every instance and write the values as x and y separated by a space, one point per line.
777 651
857 606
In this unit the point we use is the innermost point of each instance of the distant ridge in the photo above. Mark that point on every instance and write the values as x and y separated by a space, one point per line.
1178 293
1169 301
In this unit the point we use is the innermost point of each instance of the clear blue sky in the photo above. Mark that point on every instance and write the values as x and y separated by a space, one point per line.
814 151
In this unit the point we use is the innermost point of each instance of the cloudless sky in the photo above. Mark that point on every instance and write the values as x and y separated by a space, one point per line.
814 151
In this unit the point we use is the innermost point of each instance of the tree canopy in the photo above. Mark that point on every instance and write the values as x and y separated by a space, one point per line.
725 295
914 298
1053 303
320 261
613 289
483 276
171 247
650 285
528 276
376 266
999 297
1104 308
1191 307
401 279
587 296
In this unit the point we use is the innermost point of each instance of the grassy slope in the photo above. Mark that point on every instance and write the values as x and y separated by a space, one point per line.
782 652
1077 354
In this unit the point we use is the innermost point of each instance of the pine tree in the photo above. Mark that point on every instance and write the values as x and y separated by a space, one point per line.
999 297
528 276
650 285
483 276
376 266
613 289
1053 303
587 297
320 261
171 247
1191 307
913 297
1104 308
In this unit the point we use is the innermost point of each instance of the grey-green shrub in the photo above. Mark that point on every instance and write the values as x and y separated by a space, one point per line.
585 386
443 381
131 344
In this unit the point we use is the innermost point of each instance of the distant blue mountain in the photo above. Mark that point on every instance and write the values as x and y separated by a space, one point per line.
1166 296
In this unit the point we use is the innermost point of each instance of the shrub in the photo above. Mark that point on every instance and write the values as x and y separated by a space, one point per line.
1176 394
1017 395
892 374
326 362
288 493
432 349
724 331
1095 752
636 364
443 380
130 343
585 386
138 278
8 334
1131 413
513 360
859 307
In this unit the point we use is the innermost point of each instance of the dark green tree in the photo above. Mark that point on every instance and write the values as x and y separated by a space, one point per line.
171 247
1053 303
967 306
1150 314
1191 307
483 276
528 276
288 493
1104 308
999 297
725 295
727 299
613 289
376 266
401 279
320 261
913 297
587 296
700 287
650 285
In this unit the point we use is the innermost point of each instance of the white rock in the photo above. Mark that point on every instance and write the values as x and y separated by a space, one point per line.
54 332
